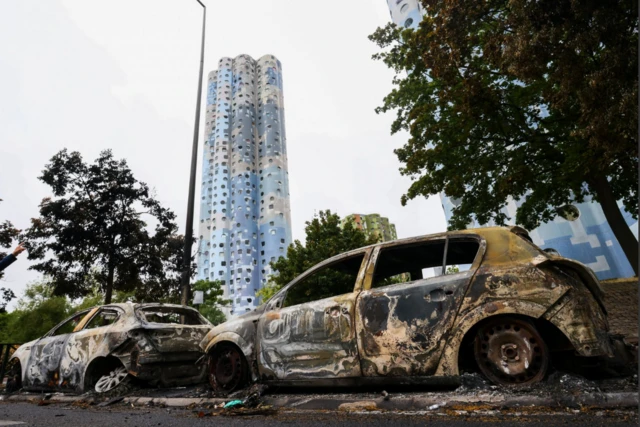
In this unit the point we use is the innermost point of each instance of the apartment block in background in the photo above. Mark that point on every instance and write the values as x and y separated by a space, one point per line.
373 225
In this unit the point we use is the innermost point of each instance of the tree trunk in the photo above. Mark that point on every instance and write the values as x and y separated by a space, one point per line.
109 291
616 221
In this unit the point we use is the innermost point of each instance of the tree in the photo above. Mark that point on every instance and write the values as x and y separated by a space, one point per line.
8 233
324 238
94 228
36 313
213 300
530 100
163 269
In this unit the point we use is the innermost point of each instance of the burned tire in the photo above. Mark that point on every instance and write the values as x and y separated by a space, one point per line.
228 369
510 351
109 378
14 377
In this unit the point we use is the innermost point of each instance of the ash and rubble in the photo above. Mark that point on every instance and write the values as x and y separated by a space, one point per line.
472 384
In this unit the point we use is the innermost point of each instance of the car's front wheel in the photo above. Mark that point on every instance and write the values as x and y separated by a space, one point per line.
228 370
510 351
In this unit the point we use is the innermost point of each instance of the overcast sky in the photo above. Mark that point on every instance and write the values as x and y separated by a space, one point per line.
88 75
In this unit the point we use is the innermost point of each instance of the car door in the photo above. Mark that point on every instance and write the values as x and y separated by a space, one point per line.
408 304
93 338
43 366
308 329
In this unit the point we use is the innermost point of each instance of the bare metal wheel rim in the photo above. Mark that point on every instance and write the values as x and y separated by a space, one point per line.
510 351
226 369
111 380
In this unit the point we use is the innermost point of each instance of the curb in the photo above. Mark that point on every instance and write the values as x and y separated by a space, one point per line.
421 403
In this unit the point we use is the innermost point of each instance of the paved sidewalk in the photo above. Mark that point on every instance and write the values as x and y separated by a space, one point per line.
621 301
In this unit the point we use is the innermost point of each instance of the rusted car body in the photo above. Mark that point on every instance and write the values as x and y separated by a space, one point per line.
508 304
157 343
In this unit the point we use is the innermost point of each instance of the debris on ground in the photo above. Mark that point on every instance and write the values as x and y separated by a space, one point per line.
358 406
385 395
474 382
111 401
233 404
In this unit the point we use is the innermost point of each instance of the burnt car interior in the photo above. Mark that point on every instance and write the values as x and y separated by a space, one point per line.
103 318
169 315
69 326
408 263
335 279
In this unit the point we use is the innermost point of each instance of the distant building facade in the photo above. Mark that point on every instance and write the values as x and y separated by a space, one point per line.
373 225
406 13
245 214
585 235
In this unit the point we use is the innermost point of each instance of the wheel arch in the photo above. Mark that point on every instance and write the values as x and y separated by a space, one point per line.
449 364
97 367
233 338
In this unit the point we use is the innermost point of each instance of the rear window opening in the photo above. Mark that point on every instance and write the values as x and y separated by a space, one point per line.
409 263
170 316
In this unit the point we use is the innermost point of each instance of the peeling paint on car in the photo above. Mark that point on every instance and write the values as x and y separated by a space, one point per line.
416 329
161 354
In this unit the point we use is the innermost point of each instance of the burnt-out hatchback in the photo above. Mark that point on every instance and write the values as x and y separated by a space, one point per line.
101 347
418 310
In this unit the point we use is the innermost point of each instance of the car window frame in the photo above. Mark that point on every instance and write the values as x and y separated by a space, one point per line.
140 316
447 237
59 325
97 312
277 300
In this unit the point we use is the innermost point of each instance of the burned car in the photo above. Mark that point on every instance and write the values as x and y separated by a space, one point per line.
99 348
418 310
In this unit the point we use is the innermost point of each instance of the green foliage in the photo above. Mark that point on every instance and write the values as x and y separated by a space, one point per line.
266 292
94 230
37 312
517 98
8 234
324 239
96 298
452 269
213 300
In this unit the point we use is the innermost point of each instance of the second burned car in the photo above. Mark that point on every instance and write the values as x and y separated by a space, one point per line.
418 309
102 347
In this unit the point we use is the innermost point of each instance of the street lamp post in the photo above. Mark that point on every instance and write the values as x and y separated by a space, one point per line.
188 234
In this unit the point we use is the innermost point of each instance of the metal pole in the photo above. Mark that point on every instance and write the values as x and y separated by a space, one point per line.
188 234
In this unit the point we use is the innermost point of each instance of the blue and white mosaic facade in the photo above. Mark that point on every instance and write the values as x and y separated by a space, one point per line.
405 13
586 237
245 215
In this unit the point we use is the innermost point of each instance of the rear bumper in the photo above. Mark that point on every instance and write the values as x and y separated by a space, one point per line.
155 357
168 369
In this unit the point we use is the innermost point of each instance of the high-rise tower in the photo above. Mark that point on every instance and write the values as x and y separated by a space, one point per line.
405 13
581 233
244 207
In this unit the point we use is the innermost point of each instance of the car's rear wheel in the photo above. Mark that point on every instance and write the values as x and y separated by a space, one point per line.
227 369
510 351
14 376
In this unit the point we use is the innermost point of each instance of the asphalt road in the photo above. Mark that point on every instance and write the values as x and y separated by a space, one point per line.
29 414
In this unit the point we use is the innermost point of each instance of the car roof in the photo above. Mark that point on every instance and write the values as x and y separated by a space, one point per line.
133 305
484 232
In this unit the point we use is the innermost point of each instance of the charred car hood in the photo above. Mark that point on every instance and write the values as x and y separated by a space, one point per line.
237 325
